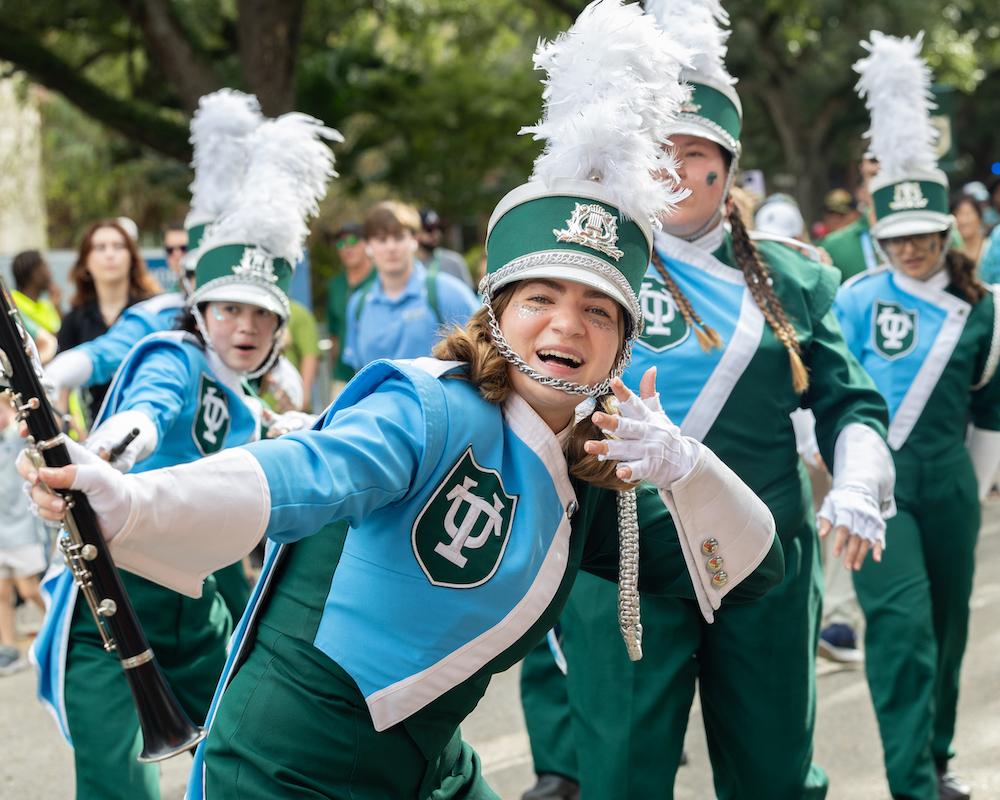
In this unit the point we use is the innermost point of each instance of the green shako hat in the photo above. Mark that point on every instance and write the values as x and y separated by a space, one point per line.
910 193
248 254
219 138
612 88
712 109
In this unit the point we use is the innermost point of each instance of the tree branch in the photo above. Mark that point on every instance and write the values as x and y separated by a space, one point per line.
132 119
173 53
269 44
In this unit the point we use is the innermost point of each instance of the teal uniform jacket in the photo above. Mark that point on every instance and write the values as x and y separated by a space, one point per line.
449 534
933 355
755 663
196 412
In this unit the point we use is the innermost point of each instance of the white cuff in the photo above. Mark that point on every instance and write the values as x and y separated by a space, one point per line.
862 461
724 529
69 369
114 429
804 425
185 522
984 450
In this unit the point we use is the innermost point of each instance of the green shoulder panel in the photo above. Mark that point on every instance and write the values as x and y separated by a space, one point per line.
805 287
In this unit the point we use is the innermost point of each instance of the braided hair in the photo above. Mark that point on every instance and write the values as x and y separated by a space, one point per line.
761 286
708 337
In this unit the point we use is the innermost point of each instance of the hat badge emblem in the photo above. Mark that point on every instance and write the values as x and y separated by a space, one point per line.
593 226
906 196
256 265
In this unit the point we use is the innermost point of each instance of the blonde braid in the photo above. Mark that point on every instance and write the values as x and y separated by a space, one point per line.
708 337
761 288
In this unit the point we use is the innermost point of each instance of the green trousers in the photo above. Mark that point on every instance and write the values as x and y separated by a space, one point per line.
294 725
755 669
189 639
916 606
545 702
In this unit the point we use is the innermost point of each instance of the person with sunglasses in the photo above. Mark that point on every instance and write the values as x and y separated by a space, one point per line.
175 247
358 274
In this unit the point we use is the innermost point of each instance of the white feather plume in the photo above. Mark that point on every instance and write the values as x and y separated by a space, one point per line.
700 26
219 129
613 87
895 83
288 168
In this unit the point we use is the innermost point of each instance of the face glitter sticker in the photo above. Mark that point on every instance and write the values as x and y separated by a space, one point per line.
525 310
712 178
602 323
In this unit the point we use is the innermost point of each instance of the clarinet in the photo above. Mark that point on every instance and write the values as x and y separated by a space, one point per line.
166 728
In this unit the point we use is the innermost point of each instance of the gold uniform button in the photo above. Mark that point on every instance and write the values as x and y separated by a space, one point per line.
719 579
710 547
714 564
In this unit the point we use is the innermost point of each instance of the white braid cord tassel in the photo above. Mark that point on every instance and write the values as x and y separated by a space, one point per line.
628 574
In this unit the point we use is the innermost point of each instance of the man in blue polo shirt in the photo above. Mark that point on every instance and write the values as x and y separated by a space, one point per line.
401 314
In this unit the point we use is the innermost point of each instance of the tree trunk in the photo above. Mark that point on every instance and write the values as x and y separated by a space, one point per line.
268 32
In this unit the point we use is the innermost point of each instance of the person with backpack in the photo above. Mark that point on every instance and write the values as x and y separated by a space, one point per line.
401 313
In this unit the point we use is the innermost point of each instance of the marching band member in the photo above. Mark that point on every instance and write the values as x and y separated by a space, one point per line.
741 333
927 331
425 534
178 397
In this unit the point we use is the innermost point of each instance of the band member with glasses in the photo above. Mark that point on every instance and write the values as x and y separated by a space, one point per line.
926 329
180 396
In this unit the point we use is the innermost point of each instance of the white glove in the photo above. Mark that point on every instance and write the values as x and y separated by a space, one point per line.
854 508
280 424
984 450
109 494
69 369
649 444
110 433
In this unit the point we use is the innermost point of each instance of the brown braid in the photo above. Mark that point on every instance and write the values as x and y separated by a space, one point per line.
962 271
708 337
760 284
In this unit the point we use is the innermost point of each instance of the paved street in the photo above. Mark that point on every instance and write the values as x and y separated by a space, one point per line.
35 764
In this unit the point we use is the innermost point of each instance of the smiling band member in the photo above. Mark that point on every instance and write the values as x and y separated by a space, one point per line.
926 329
742 333
182 391
426 532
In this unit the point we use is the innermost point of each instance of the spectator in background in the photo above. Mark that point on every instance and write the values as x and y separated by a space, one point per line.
991 214
434 257
175 247
357 274
33 281
839 210
969 222
23 554
301 348
852 247
109 275
402 312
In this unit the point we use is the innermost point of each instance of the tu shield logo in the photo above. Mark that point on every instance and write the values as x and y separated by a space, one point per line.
460 534
665 327
895 330
211 419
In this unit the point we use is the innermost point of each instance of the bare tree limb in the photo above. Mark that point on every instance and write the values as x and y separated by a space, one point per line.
133 119
268 34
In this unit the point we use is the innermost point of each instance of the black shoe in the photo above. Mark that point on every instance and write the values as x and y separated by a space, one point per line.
951 787
553 787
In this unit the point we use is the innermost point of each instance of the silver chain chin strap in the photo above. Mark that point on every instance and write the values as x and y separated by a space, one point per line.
628 574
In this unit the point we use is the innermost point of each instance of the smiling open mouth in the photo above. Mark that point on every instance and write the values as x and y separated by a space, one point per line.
561 358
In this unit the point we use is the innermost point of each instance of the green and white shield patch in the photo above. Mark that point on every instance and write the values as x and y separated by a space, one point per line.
460 534
211 419
894 330
665 326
